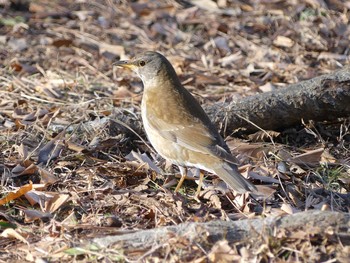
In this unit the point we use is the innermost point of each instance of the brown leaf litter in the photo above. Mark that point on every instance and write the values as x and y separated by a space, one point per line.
76 164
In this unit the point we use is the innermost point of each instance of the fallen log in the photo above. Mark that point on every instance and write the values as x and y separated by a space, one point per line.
242 231
323 98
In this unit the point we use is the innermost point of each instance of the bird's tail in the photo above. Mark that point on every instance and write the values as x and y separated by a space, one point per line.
230 174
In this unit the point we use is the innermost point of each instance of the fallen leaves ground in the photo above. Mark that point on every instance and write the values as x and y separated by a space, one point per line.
70 172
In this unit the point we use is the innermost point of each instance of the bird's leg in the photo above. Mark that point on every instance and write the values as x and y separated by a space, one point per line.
201 177
183 172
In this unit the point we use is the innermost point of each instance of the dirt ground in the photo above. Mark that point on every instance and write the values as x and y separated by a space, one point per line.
75 163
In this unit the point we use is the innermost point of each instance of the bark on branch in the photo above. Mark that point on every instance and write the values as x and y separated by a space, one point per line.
326 97
315 222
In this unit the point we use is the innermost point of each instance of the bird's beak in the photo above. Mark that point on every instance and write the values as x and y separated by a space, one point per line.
125 64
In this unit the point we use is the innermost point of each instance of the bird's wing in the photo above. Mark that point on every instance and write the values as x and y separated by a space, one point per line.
195 136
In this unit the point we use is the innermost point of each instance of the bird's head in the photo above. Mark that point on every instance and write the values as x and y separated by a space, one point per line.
149 66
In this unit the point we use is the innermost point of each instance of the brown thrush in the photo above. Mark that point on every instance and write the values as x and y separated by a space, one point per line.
177 126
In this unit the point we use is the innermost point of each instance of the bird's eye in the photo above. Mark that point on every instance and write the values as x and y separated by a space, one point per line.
142 63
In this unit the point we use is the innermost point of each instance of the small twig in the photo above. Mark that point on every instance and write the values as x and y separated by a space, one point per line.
41 100
261 129
133 131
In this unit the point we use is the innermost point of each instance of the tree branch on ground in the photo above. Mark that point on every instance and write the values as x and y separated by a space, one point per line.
323 98
243 231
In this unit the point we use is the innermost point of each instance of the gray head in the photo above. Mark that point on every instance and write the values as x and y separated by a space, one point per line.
149 66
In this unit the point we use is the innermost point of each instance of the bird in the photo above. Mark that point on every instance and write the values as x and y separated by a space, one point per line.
177 126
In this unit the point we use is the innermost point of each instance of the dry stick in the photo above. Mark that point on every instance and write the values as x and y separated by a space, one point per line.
243 231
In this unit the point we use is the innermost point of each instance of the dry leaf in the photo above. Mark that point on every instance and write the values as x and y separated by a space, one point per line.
46 177
289 209
311 158
267 87
12 233
266 179
52 149
56 202
208 5
32 215
48 201
265 192
62 42
221 252
70 220
14 195
252 150
263 136
143 159
23 151
24 168
40 197
282 41
296 169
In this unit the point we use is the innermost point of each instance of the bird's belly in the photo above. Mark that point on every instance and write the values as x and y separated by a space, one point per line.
177 154
166 148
